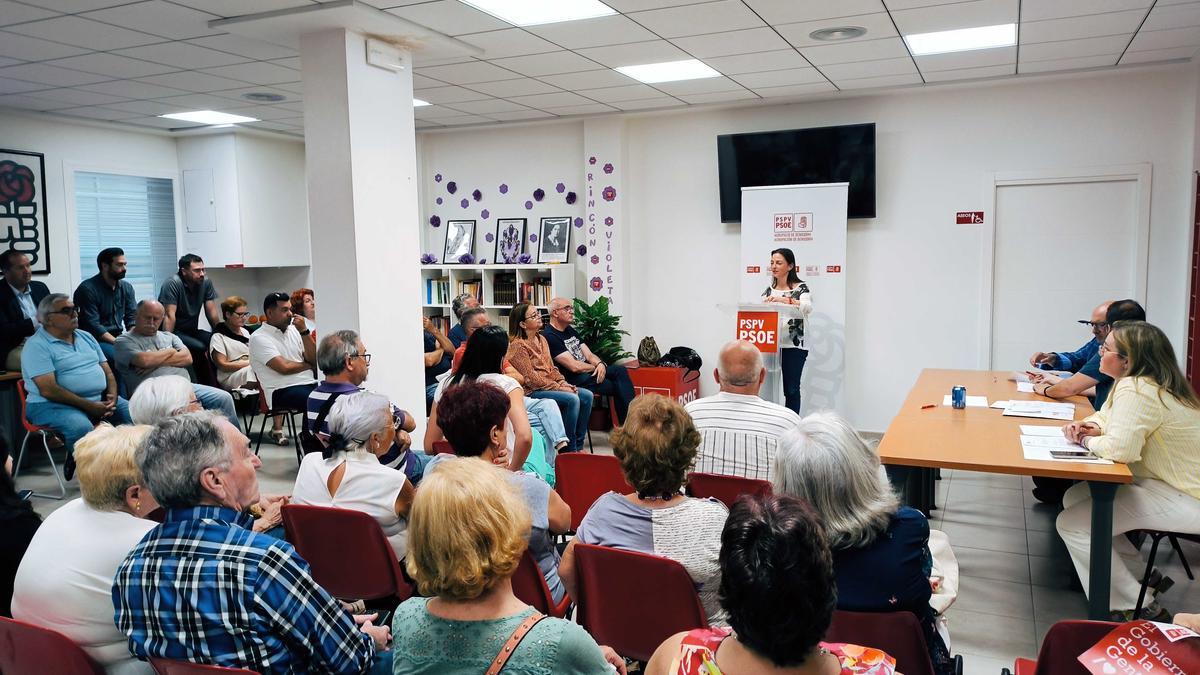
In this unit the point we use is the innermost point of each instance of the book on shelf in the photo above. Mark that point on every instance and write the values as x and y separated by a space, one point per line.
472 287
437 291
442 323
504 291
538 292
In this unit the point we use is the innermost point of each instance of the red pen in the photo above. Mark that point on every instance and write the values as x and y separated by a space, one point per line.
927 407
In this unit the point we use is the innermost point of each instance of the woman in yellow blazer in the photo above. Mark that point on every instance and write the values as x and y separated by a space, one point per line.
1151 421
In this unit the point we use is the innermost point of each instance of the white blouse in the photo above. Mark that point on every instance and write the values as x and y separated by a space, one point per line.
366 486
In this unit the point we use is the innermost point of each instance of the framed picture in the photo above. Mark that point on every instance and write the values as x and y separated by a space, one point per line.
510 240
460 240
23 224
554 240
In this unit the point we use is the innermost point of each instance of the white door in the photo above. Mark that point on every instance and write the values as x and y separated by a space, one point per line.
1061 248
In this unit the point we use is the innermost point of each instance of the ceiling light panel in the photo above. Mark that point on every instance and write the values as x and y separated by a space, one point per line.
209 117
962 40
538 12
670 71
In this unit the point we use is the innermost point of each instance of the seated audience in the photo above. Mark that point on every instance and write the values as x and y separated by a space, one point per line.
465 571
344 361
146 352
657 446
304 304
438 351
461 303
473 418
739 431
283 353
184 297
230 345
71 388
880 549
777 587
65 580
1150 421
203 587
1071 362
348 474
18 521
106 302
529 353
20 296
472 320
579 365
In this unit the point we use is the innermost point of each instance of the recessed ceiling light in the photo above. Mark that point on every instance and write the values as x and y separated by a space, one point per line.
670 71
417 103
209 117
536 12
963 39
264 97
839 33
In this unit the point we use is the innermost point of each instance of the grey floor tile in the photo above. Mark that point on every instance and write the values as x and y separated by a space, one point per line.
1041 517
965 512
1046 544
1057 604
1053 572
1006 539
990 635
983 564
991 596
992 480
986 496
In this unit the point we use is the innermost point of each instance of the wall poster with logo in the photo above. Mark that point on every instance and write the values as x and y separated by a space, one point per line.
23 224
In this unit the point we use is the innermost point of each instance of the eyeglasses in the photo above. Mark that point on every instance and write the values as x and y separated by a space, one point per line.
241 314
1094 324
365 357
67 311
1105 350
531 317
568 309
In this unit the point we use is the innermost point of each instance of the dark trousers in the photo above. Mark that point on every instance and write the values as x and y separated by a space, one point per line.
294 397
793 368
197 343
616 384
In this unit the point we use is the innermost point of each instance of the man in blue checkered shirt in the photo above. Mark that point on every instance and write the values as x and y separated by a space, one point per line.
204 587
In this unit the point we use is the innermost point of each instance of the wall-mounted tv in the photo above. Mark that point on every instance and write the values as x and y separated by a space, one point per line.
794 157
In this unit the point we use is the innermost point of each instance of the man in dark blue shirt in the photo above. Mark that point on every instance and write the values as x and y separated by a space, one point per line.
462 303
1071 362
579 365
106 302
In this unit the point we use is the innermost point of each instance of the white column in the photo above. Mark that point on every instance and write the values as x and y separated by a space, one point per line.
362 208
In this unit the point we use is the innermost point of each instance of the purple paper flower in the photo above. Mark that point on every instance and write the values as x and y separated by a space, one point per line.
466 259
597 283
528 205
451 187
591 160
559 188
483 261
476 195
608 221
489 237
437 177
524 259
608 168
571 197
435 221
464 203
485 214
533 238
579 222
581 250
595 260
438 200
539 194
428 258
609 193
504 188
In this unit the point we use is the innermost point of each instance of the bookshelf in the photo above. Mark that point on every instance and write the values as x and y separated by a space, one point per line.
498 287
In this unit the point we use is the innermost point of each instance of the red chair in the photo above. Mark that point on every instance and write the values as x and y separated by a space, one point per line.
530 587
30 429
347 552
633 601
443 447
169 667
726 488
897 633
1064 642
25 648
269 412
582 479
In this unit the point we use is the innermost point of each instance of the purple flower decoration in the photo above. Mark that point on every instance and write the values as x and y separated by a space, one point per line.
466 259
597 283
608 168
539 194
579 222
483 261
560 188
582 250
485 214
476 195
437 178
428 258
571 197
591 160
438 200
451 187
609 193
435 221
464 203
528 205
524 259
608 221
489 237
533 238
595 260
504 188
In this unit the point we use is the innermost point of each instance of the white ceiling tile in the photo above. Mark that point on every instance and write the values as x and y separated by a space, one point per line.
970 73
182 55
1038 10
255 72
556 100
978 58
448 95
292 62
647 103
228 8
78 97
1065 64
1077 27
236 93
191 80
1163 17
545 64
160 123
627 6
464 119
878 25
271 125
242 46
97 113
778 12
519 115
433 112
25 102
731 42
15 12
524 86
591 79
1069 49
487 106
753 63
158 17
144 107
51 76
498 44
638 53
294 106
80 32
585 109
1152 55
133 89
874 82
1166 39
422 62
112 65
74 6
719 96
847 52
422 82
13 45
895 5
861 69
780 78
958 15
293 87
712 17
262 112
707 85
604 30
450 17
468 73
627 93
10 86
4 61
198 102
425 124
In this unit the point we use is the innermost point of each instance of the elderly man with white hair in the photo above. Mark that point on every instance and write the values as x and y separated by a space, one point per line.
739 431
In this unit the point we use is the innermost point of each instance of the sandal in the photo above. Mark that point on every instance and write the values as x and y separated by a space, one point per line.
278 437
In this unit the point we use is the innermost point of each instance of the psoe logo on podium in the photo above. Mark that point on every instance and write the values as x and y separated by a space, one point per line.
759 329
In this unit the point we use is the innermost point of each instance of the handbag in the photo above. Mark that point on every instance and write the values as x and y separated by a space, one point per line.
510 645
648 352
310 442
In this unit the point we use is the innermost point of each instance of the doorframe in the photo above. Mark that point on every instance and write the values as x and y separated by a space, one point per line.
1140 174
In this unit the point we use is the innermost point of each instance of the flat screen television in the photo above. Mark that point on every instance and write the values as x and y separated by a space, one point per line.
794 157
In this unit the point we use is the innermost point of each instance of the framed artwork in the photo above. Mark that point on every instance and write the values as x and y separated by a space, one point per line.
23 224
554 240
460 240
510 239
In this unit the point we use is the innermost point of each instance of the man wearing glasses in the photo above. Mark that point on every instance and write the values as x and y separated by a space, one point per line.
283 353
71 388
579 365
1071 362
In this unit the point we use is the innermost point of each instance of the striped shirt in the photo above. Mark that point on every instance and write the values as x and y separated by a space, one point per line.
739 433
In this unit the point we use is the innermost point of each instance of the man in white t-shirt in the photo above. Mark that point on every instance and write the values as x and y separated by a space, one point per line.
283 353
739 431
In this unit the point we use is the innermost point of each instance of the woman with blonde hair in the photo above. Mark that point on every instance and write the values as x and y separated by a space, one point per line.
466 570
64 582
1150 421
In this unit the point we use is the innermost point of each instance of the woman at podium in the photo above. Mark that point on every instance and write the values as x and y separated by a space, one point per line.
788 289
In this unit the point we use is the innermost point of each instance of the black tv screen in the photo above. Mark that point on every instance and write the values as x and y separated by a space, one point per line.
844 154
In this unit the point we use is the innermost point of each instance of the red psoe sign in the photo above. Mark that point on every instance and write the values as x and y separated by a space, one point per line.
760 329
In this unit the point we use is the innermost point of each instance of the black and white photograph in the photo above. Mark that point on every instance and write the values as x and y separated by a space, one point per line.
554 240
510 238
23 206
460 240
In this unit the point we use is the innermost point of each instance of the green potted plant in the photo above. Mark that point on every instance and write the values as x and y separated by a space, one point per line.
600 330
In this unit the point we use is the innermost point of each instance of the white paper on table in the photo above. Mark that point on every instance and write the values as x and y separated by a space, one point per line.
1034 450
1025 387
1050 410
972 401
999 404
1031 430
1058 441
1018 377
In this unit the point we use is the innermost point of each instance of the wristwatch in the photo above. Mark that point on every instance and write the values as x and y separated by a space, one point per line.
305 332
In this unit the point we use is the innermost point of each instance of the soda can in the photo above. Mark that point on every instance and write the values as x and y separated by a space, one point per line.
958 397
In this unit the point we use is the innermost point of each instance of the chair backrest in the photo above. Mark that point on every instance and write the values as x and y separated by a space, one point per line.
1065 641
23 394
725 488
897 633
633 601
169 667
348 553
584 478
530 587
443 447
263 408
25 648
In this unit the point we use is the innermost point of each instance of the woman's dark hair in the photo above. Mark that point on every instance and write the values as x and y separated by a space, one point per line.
790 257
484 354
515 330
777 578
10 502
466 414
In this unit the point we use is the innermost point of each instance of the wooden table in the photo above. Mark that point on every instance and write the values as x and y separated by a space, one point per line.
982 439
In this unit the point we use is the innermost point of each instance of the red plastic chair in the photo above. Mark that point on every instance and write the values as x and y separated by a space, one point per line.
25 648
269 412
347 552
582 479
633 601
30 429
169 667
726 488
1064 642
897 633
530 587
443 447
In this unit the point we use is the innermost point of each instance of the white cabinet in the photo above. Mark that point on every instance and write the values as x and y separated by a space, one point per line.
498 288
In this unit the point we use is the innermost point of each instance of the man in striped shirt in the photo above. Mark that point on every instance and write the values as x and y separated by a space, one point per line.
738 429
